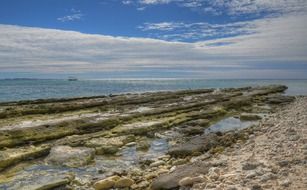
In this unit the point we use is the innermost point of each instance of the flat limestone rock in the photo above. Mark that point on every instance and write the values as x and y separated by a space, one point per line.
70 156
11 156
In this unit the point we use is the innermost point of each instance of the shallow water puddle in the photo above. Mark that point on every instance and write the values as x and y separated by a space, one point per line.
229 124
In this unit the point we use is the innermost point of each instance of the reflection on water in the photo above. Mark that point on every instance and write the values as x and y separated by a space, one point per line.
229 124
158 147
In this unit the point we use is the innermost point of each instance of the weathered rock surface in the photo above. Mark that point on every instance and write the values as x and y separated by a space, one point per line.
271 158
129 136
171 181
69 156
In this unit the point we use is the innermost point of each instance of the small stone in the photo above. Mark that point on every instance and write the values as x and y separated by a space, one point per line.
162 171
251 174
285 183
267 176
211 185
294 137
131 144
256 187
104 184
250 165
157 163
172 169
164 157
283 163
123 182
179 162
143 184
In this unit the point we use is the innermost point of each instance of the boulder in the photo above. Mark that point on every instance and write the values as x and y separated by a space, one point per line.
70 156
171 180
196 144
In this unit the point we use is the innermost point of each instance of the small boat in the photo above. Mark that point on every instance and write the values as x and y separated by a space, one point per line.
72 79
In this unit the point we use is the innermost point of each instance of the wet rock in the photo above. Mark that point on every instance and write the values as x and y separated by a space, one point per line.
171 180
192 130
108 145
37 179
111 167
69 156
197 144
12 156
157 163
279 99
249 117
199 122
106 183
179 162
131 144
51 184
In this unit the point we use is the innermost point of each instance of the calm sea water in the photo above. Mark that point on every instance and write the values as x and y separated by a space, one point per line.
12 90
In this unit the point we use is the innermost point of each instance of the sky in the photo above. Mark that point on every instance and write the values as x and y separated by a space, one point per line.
97 39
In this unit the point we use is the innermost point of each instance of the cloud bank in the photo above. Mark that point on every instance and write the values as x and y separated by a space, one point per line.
274 48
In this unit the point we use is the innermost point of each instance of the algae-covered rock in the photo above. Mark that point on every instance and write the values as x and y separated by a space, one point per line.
71 157
111 145
38 177
249 117
12 156
113 181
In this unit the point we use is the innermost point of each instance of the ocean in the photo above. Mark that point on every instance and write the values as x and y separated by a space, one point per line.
30 89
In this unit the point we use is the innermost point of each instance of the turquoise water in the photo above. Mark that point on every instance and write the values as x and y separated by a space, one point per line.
25 89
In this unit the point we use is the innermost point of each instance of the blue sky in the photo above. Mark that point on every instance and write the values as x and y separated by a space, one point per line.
153 38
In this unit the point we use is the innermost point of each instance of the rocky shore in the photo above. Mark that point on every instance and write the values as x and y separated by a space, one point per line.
236 138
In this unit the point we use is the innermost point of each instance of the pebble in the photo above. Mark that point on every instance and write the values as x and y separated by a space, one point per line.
104 184
250 165
256 187
285 183
131 144
157 163
251 174
266 177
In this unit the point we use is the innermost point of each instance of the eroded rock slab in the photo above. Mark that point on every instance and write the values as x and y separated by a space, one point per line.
171 181
70 157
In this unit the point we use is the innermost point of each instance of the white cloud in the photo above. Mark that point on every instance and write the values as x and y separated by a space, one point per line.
272 43
180 31
73 16
237 7
152 2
